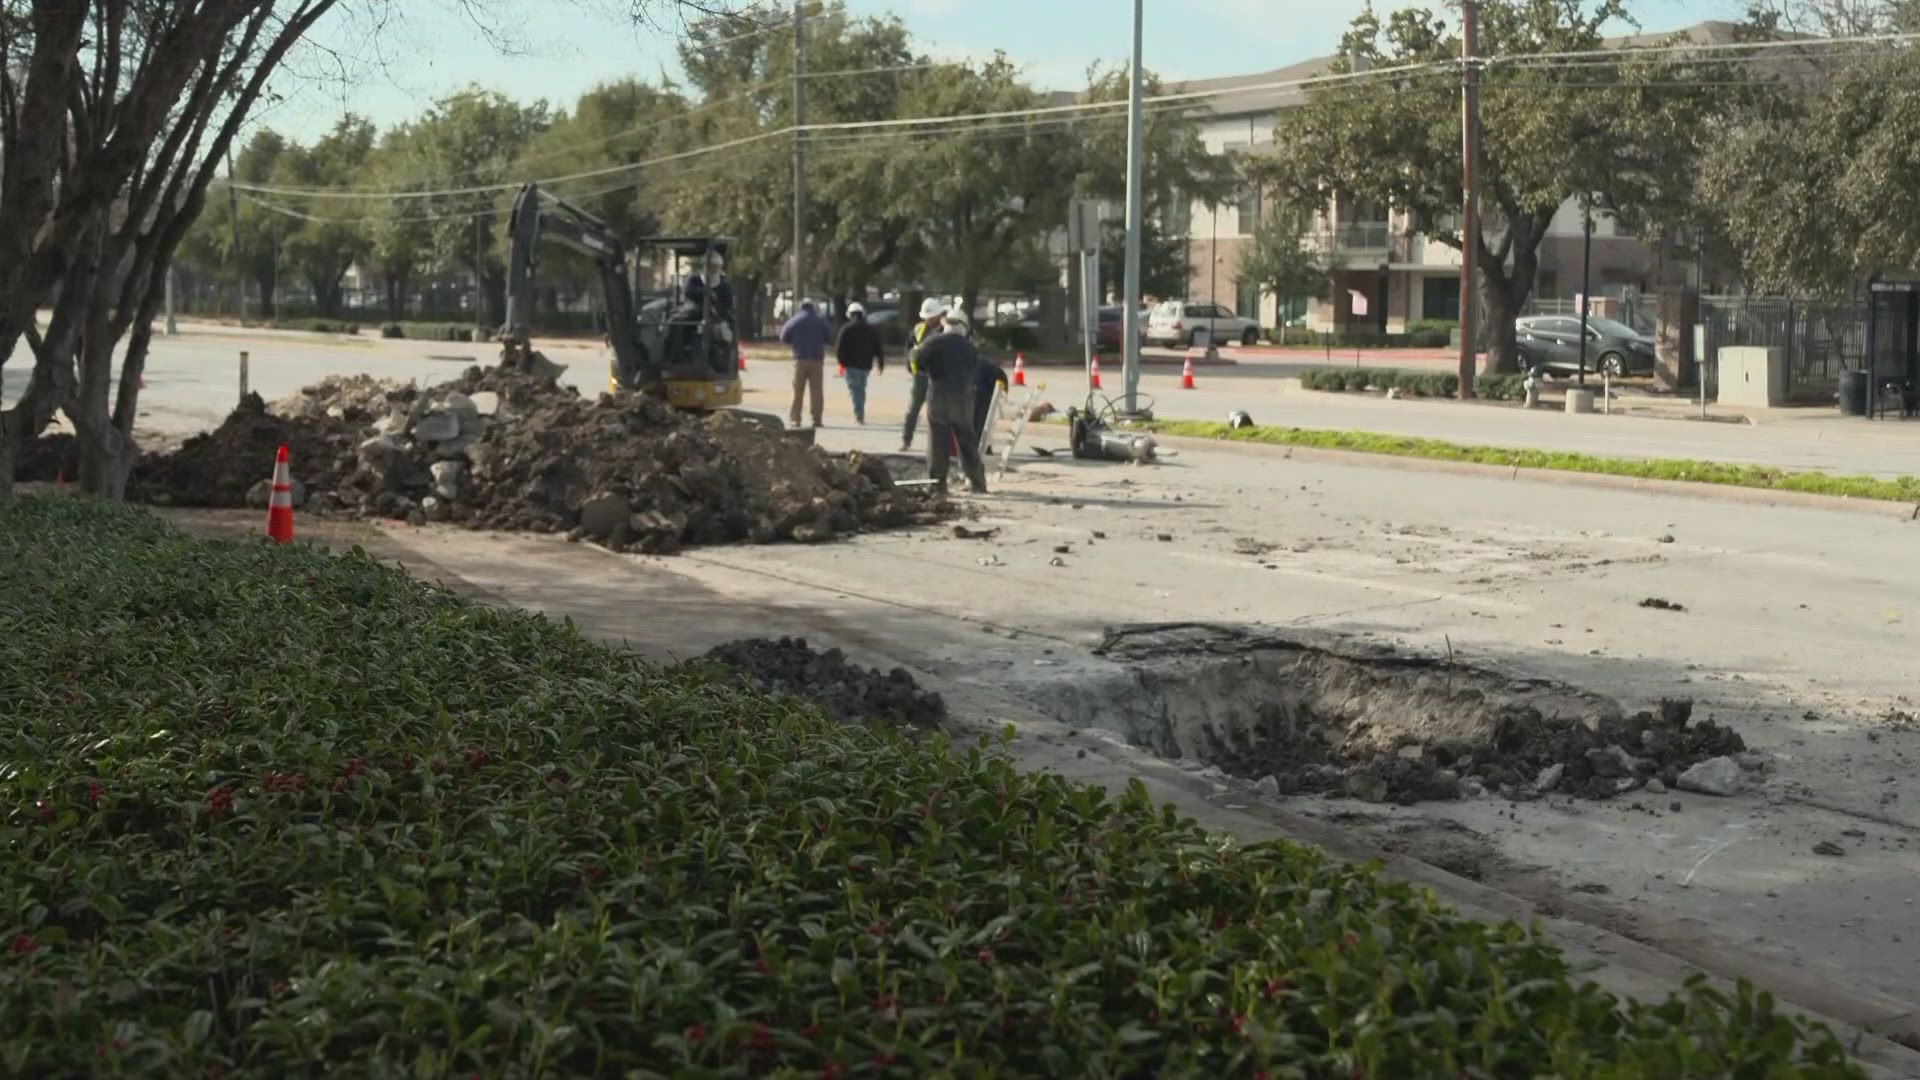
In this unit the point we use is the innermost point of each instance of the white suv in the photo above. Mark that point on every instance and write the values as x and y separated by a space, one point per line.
1184 322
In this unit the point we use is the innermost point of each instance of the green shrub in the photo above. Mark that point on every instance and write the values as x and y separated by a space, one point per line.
319 326
1501 387
1010 338
1443 327
425 331
392 330
272 813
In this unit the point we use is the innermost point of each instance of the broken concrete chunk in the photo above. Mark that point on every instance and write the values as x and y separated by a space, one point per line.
436 425
1758 761
1714 776
1268 785
485 402
1611 762
446 478
1657 786
1828 847
1549 778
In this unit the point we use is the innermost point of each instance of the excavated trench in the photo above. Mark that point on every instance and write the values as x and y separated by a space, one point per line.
1325 718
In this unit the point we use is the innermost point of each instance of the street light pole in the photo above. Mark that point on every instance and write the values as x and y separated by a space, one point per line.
1469 209
1586 281
800 154
1129 321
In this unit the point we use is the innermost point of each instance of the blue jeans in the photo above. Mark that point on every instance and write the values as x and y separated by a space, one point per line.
857 390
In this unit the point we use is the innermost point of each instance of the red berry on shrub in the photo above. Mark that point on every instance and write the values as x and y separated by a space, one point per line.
45 808
24 944
697 1034
985 956
811 1031
93 793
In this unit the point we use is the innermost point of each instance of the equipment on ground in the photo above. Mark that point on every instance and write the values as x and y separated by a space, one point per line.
1093 437
682 350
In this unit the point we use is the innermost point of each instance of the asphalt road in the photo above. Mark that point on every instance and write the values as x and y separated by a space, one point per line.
192 380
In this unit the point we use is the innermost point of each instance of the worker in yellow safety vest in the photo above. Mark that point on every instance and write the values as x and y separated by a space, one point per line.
932 314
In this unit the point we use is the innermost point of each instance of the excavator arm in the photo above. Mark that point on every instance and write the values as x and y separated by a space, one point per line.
538 215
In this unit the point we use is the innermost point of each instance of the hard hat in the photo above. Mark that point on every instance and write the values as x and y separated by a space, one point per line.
933 307
856 308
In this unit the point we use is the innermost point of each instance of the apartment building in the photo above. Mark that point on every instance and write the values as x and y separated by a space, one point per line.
1386 273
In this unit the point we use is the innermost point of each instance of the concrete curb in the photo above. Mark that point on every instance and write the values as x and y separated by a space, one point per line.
1688 488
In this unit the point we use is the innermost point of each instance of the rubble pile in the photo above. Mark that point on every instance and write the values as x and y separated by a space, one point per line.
356 399
232 465
844 691
505 449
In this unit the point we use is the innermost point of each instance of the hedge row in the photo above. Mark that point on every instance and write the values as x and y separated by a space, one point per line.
1412 383
422 331
1428 338
267 812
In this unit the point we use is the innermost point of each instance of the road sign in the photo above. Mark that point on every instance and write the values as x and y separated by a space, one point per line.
1083 225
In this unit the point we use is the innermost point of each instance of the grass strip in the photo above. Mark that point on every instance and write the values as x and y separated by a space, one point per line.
269 812
1898 489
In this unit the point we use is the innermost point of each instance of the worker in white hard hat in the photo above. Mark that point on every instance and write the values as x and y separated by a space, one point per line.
932 311
952 368
860 353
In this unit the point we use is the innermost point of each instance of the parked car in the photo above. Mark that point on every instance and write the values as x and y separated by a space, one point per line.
1553 342
1183 322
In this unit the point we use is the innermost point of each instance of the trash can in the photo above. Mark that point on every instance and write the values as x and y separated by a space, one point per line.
1853 393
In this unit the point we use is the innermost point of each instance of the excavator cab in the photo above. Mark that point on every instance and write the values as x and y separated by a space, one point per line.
685 354
693 338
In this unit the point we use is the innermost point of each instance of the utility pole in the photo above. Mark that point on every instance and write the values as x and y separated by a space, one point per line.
1469 208
1129 320
479 297
1586 282
233 252
799 153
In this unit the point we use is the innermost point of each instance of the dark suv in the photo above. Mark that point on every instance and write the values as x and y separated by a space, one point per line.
1553 342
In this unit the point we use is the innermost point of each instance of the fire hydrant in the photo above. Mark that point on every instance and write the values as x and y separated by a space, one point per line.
1534 377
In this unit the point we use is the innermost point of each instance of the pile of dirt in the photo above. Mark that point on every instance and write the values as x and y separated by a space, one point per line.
356 399
1300 718
507 449
847 693
222 467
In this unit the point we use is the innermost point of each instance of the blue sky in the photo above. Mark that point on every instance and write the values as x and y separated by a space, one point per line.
567 46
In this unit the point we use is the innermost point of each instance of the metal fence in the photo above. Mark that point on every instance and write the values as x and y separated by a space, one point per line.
1818 339
1637 311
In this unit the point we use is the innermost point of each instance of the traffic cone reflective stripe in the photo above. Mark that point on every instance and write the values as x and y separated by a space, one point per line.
743 358
280 503
1019 370
1186 374
1095 372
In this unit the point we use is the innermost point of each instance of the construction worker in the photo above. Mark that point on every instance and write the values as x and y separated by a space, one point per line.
808 333
952 369
932 310
860 352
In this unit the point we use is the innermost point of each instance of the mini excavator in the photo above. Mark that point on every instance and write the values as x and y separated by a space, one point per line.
683 351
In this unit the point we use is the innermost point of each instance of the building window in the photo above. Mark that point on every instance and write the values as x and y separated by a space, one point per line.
1249 208
1246 300
1440 298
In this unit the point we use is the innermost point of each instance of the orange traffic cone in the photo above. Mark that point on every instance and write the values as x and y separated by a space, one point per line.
743 358
280 504
1094 373
841 372
1186 374
1019 370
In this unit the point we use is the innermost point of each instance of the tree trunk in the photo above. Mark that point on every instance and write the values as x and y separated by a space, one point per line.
263 278
969 299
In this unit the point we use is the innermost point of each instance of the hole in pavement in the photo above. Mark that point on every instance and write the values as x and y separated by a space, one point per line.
1301 718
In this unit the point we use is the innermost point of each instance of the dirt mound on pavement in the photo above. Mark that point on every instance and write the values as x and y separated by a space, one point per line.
220 467
846 692
355 399
505 449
